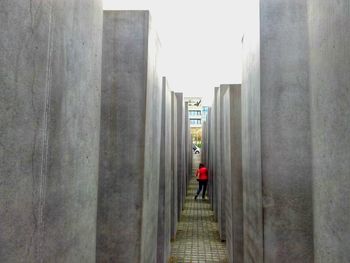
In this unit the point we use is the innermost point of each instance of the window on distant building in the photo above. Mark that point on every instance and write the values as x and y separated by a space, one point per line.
195 113
196 122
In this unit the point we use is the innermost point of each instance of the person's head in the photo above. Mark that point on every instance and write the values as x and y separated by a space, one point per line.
201 165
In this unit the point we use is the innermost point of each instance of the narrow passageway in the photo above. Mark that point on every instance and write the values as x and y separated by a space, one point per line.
197 237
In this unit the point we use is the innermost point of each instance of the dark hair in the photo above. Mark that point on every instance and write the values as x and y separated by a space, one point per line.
201 165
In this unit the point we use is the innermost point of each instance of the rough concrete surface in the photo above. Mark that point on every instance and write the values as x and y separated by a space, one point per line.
130 139
251 139
180 107
329 27
215 152
50 58
220 176
174 166
277 162
232 170
285 132
165 178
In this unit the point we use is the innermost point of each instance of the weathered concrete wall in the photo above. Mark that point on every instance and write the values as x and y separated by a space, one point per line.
232 170
226 170
251 139
130 139
329 27
209 158
50 76
219 176
277 147
180 107
174 166
165 184
215 151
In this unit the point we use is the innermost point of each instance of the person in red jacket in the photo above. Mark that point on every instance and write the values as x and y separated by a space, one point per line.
202 178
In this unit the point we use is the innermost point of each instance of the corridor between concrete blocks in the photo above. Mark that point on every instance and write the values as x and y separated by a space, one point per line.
197 237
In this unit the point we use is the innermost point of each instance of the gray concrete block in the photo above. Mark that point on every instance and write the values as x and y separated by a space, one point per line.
174 166
180 107
276 134
50 59
219 160
232 170
210 159
329 27
165 178
215 152
130 139
251 140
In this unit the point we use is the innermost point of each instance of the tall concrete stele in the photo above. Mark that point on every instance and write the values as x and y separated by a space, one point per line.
180 152
174 166
225 140
50 78
329 27
165 178
130 139
276 138
295 137
232 171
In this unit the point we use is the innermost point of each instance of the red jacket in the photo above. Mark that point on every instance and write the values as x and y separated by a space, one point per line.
202 174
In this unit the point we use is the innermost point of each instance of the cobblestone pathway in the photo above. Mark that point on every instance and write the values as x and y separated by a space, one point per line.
197 238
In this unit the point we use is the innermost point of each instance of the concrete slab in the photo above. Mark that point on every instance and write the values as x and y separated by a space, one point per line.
50 59
180 107
165 183
329 27
215 152
232 170
220 177
276 134
130 139
174 166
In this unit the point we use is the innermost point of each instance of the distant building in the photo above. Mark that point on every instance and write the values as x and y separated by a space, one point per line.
195 111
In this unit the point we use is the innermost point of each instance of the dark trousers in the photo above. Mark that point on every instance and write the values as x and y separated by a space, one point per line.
202 184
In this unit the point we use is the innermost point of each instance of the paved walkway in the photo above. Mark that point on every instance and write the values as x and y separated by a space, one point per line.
197 238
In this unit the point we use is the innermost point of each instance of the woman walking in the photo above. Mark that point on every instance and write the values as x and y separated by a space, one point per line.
202 178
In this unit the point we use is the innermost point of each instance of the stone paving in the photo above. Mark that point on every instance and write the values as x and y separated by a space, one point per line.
197 237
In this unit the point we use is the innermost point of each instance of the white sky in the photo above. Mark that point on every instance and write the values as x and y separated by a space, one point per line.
201 41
